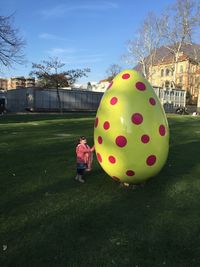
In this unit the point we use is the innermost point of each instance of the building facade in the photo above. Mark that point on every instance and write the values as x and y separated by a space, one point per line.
183 74
20 82
3 84
16 82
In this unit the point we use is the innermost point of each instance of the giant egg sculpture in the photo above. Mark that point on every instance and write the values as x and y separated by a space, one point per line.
131 133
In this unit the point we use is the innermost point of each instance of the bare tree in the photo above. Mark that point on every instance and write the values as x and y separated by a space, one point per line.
181 20
50 75
113 70
11 44
142 49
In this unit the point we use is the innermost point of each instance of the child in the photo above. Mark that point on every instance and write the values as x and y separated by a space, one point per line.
83 158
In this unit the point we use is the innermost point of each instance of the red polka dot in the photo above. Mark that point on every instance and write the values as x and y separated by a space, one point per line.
162 130
151 160
115 178
112 159
137 118
110 85
100 140
106 125
140 86
130 173
113 100
145 138
152 101
121 141
99 157
96 122
126 76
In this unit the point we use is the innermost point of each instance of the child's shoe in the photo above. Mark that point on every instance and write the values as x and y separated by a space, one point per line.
81 180
76 178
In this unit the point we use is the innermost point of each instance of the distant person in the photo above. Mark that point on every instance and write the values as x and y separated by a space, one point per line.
89 86
2 109
84 157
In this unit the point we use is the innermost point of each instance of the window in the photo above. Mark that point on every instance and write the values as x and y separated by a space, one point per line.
162 73
180 79
167 72
167 84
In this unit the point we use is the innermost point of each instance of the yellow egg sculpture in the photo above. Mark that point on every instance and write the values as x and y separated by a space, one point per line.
131 133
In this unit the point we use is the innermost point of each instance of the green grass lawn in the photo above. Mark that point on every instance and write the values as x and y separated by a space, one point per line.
48 219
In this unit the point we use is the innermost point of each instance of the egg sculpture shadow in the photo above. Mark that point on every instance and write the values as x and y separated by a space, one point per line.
131 133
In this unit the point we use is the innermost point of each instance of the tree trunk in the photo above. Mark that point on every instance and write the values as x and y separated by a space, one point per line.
144 69
175 68
59 100
198 101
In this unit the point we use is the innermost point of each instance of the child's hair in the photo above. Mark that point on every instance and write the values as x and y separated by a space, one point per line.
80 138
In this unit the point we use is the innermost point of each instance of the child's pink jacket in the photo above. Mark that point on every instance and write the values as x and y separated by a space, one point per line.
84 154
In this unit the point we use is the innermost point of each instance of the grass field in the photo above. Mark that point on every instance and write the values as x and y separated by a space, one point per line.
48 219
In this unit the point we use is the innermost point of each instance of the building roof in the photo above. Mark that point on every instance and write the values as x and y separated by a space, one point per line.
108 79
187 52
165 56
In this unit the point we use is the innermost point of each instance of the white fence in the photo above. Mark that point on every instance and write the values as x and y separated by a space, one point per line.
175 97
